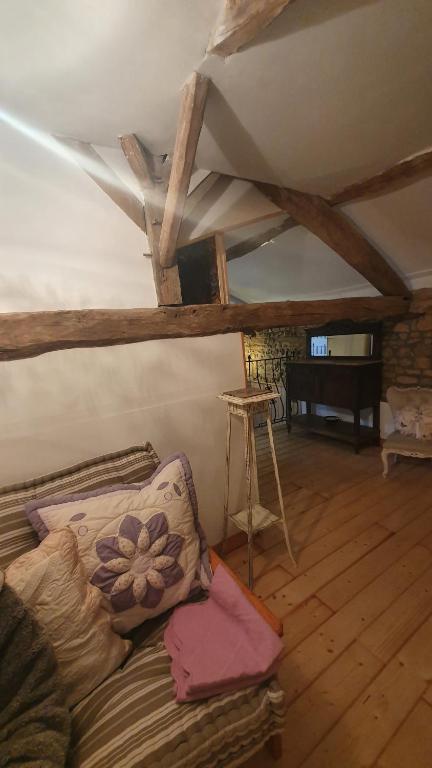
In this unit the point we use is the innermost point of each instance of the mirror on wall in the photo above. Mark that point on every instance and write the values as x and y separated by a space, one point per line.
346 345
345 339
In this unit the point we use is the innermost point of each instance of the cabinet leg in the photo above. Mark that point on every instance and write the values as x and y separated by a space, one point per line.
376 422
288 417
357 430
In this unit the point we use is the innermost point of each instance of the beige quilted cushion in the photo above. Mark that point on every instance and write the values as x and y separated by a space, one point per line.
52 582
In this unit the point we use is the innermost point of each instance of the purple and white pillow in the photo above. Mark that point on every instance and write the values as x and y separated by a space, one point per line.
142 545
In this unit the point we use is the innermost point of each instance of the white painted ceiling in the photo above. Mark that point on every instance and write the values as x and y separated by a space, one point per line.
332 91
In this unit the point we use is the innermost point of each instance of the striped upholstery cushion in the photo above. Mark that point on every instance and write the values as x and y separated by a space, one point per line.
132 720
16 535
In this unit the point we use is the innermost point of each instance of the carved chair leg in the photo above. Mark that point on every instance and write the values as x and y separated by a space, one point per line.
274 746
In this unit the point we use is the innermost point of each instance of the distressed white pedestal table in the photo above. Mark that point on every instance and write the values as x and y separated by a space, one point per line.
246 404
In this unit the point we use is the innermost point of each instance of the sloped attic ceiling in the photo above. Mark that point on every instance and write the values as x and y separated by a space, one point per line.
298 265
331 92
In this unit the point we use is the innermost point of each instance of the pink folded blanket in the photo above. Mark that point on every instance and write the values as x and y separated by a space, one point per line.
221 644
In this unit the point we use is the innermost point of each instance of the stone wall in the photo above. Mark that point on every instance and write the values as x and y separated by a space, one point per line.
407 350
275 342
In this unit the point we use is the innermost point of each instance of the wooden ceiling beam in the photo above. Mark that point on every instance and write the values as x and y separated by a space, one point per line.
151 180
140 161
107 180
340 234
253 243
28 334
240 22
396 177
189 126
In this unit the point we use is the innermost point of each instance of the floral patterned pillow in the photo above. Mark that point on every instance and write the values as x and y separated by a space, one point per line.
141 545
406 420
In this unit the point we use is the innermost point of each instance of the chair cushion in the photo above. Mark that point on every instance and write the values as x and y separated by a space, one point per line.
396 441
132 720
132 465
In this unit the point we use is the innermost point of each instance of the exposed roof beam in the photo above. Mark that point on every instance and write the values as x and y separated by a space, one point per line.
188 131
28 334
107 180
148 171
240 22
252 243
396 177
140 161
340 234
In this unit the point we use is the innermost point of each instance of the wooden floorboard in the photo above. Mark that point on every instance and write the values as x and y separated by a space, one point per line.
357 609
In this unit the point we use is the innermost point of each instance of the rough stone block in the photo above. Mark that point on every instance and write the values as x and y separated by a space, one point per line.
425 323
424 363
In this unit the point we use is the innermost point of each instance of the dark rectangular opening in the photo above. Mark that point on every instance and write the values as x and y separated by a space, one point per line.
198 272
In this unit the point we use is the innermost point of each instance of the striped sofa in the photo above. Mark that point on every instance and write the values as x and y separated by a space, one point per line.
132 719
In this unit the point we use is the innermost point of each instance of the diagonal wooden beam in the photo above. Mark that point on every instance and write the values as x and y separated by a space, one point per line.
140 161
107 180
28 334
340 234
150 179
396 177
256 241
188 131
240 22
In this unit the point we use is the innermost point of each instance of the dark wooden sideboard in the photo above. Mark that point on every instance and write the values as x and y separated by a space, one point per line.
349 384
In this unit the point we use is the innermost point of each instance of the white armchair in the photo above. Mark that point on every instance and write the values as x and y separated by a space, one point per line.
412 414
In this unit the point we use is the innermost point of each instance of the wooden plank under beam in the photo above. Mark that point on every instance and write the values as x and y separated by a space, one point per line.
150 179
340 234
240 22
189 126
28 334
107 180
252 243
222 268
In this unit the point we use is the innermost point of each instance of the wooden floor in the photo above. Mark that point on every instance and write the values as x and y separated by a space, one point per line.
357 610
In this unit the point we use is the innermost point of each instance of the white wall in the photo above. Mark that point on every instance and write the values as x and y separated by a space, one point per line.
64 244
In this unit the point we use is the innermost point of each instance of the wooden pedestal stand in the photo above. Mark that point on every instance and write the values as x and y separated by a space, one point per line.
246 403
